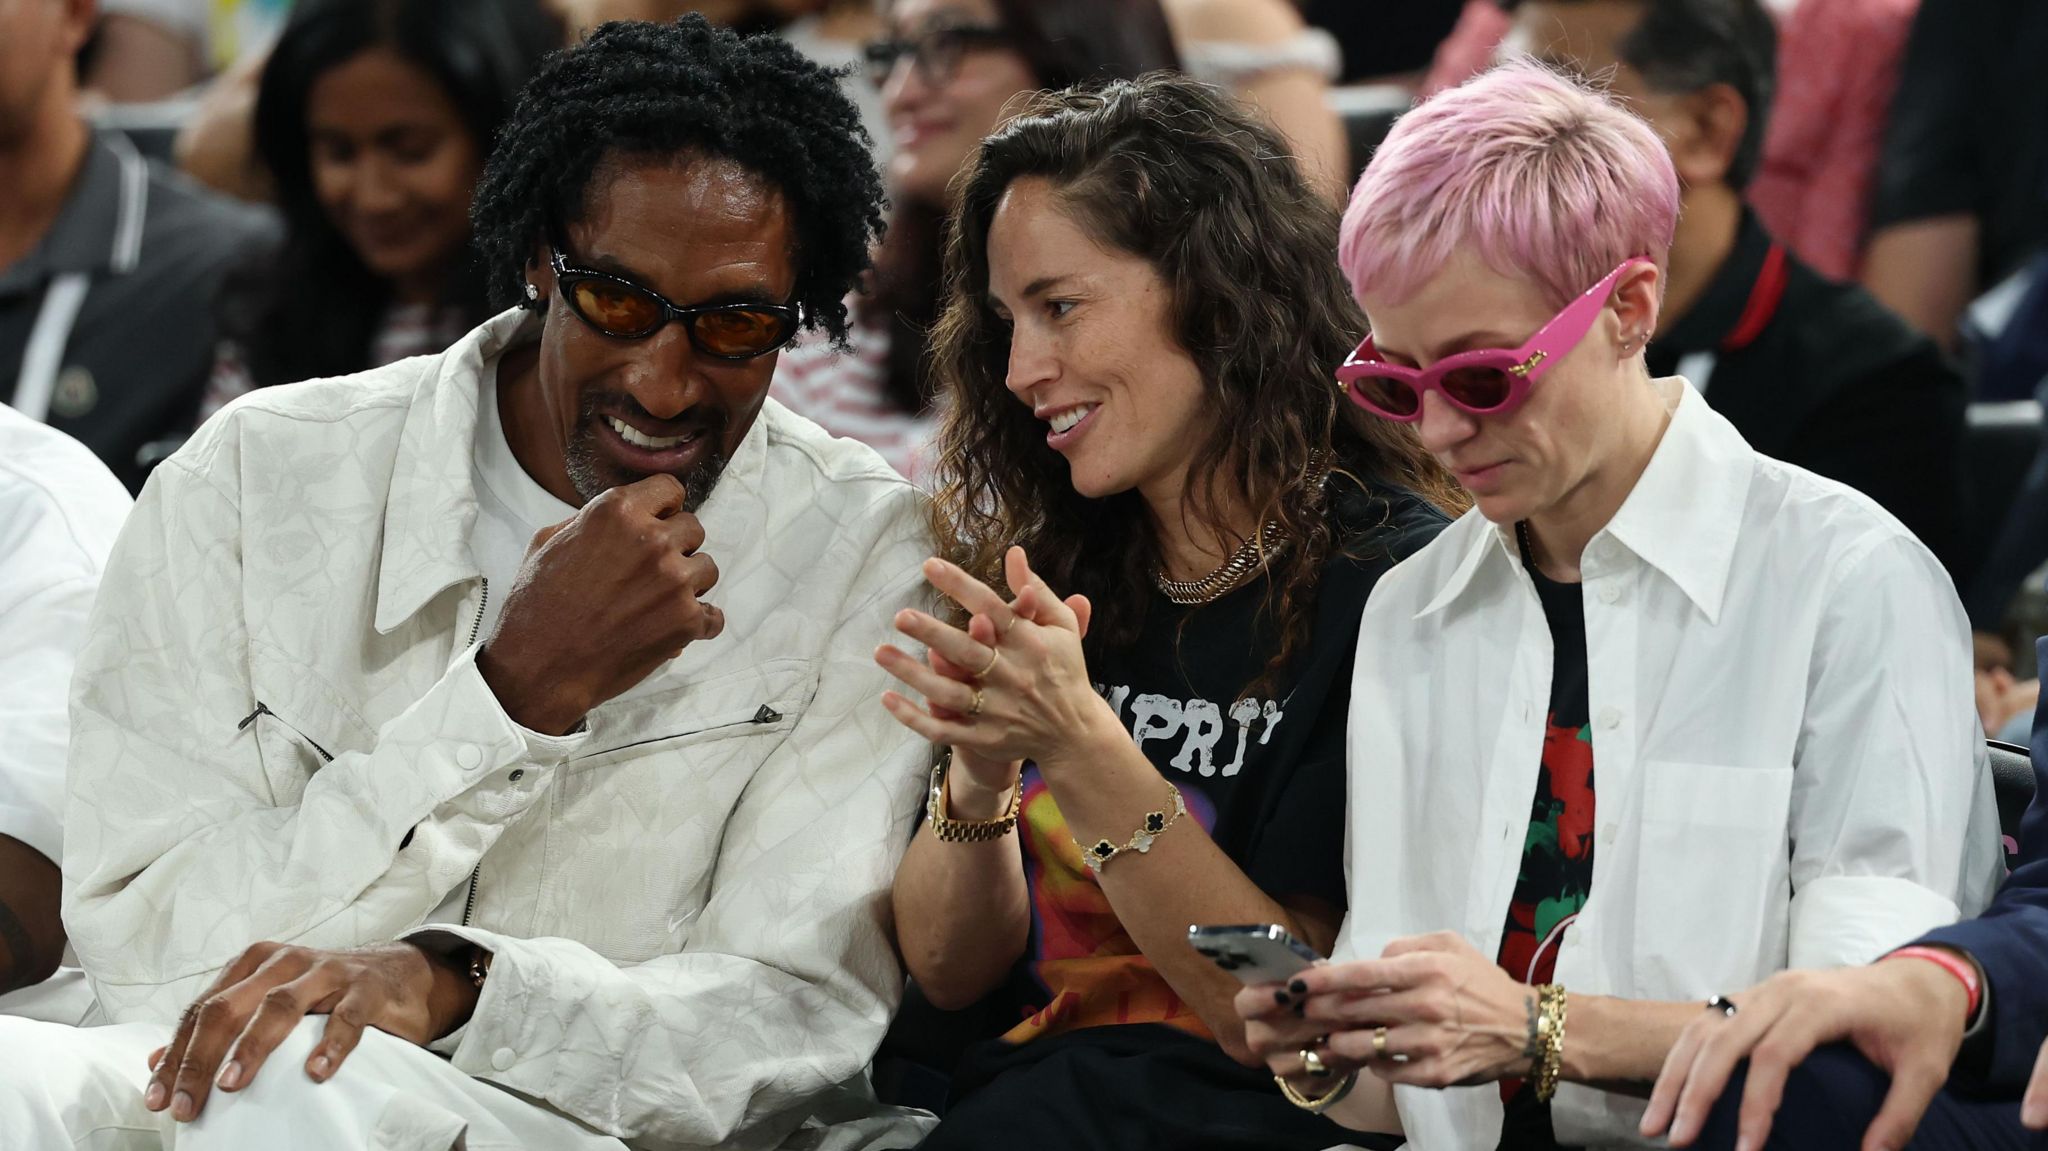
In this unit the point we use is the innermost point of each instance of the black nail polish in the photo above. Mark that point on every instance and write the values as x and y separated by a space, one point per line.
1301 1011
1298 987
1281 998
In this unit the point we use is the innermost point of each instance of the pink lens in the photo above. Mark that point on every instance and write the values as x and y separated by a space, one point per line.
1388 394
1478 390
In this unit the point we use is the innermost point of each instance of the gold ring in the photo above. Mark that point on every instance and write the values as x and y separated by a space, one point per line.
974 709
994 655
1379 1043
1312 1062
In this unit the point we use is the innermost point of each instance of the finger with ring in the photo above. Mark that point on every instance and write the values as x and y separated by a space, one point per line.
995 656
1379 1043
1312 1061
974 709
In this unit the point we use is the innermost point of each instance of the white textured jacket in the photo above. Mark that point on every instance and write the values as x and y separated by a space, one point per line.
280 734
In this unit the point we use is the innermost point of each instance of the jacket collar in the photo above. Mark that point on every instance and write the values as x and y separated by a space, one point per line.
1683 517
430 514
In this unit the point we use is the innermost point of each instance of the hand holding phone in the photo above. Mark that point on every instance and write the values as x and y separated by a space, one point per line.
1255 953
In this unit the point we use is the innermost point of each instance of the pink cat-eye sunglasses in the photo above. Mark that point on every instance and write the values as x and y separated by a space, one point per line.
1484 381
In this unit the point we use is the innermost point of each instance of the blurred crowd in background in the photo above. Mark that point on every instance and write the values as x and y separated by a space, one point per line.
213 196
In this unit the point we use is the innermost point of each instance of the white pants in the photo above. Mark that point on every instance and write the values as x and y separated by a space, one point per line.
80 1089
62 998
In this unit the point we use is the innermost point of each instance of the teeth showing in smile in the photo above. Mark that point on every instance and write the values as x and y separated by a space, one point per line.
1063 422
640 439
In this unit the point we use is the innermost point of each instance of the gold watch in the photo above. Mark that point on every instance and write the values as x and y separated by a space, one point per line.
965 830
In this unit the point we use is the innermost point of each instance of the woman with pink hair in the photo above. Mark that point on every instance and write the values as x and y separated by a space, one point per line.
1659 717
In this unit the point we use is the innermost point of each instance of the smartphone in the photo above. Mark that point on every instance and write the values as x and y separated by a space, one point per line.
1255 952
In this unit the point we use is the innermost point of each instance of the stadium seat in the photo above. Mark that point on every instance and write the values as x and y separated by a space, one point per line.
2012 781
1999 444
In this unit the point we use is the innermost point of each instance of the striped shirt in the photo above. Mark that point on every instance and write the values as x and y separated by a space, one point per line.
846 393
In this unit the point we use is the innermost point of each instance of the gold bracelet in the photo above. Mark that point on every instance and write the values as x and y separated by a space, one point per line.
1550 1030
967 830
1320 1103
1156 822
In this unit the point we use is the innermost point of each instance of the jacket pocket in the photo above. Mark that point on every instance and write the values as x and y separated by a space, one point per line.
635 824
1715 883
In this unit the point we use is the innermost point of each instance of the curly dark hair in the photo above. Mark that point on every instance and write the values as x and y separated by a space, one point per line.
1178 173
641 89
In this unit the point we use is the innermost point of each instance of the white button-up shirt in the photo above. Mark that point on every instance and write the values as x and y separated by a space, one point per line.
1789 767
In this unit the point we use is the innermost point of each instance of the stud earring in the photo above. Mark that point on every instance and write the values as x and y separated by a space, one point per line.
532 293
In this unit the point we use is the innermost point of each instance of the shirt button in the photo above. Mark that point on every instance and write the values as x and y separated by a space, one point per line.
468 756
1610 594
518 773
503 1058
1610 718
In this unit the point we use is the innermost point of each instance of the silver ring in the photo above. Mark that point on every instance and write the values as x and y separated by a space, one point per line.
1312 1062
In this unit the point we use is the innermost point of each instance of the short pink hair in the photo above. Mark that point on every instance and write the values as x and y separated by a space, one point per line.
1546 178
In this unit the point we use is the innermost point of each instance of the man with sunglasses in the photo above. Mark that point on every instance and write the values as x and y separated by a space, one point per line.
483 750
1661 716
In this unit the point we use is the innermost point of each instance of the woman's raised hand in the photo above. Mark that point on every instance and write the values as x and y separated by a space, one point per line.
1013 684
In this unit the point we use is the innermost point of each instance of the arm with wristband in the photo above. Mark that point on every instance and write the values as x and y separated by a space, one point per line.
1964 1006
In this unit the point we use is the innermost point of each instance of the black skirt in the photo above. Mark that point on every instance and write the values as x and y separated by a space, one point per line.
1130 1088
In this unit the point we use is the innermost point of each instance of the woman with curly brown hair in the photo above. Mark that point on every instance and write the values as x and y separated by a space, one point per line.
1143 310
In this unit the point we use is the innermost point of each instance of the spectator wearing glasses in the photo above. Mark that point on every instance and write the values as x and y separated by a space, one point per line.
1810 371
410 715
1661 717
373 118
948 70
1165 745
109 265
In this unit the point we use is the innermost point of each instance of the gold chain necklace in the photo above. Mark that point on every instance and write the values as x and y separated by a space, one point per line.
1228 577
1250 556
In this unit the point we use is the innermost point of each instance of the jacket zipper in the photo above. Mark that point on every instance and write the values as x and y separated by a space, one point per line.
264 709
475 629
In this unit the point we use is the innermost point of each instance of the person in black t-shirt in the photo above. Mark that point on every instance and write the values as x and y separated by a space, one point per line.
1139 402
1962 188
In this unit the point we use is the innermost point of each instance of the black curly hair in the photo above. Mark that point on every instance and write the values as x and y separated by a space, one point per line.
642 89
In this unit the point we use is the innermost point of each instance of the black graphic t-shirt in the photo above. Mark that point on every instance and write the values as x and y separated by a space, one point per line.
1263 772
1557 856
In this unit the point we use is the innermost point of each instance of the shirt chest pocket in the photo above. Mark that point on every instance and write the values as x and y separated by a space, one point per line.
1715 886
298 726
635 821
